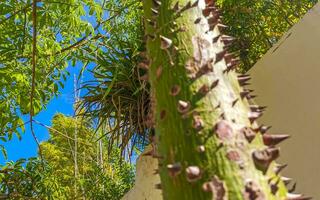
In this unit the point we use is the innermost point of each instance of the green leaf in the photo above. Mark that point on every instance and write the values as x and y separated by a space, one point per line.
4 152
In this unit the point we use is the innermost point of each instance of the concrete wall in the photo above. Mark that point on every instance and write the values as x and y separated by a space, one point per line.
287 80
144 188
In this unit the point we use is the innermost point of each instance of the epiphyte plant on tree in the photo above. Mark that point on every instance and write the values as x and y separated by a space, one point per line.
209 145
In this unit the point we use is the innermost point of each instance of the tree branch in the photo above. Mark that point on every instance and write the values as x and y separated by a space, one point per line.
34 51
16 12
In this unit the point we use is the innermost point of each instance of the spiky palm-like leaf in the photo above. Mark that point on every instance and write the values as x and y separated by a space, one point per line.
118 96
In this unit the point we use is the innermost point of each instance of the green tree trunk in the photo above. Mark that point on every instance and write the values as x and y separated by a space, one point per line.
208 143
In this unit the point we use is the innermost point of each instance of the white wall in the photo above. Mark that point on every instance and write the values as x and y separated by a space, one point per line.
287 80
144 188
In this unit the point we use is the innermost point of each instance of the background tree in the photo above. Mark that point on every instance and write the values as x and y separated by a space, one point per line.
96 175
59 27
258 25
29 179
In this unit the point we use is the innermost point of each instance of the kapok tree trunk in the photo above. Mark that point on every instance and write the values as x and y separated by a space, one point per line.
209 145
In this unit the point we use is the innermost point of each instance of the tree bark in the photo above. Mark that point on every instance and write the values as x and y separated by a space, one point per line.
208 143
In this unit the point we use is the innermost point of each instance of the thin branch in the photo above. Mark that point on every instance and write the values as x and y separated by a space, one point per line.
34 51
55 130
85 39
16 12
79 43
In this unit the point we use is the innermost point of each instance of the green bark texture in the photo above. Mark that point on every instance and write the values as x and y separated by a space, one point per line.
208 143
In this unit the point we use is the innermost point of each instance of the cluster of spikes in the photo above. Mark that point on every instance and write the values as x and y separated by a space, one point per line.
261 158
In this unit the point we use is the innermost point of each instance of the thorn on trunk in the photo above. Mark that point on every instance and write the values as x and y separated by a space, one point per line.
197 21
279 168
163 114
159 72
195 3
152 37
227 40
209 3
201 148
253 191
244 94
154 12
143 65
186 7
274 187
248 133
223 130
222 116
156 171
175 90
256 108
183 106
174 169
262 129
220 56
151 23
286 180
251 97
213 19
263 158
214 84
253 116
176 7
204 89
197 122
232 65
156 3
221 26
291 196
215 39
234 102
229 56
165 42
243 79
217 187
144 77
193 173
293 188
271 140
206 12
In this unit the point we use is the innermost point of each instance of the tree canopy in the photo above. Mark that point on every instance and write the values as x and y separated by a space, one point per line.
75 166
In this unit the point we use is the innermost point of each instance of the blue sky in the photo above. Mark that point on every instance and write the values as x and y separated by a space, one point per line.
27 147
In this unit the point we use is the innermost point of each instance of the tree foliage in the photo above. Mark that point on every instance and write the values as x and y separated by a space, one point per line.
116 96
258 25
62 28
95 175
